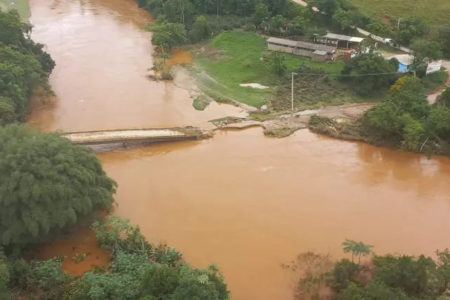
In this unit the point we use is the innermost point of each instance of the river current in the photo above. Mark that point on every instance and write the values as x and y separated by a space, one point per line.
243 201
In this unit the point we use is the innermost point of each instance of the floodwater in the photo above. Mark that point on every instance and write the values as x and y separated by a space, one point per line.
250 203
102 59
240 200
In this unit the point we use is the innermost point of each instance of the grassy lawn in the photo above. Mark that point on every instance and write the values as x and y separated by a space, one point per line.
434 12
236 59
20 5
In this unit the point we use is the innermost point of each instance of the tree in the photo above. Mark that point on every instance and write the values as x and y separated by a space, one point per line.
168 35
444 38
399 119
409 29
200 30
261 14
374 291
356 248
443 271
276 25
23 67
329 7
413 133
343 20
369 73
426 49
277 63
297 26
438 122
410 274
46 185
343 274
445 97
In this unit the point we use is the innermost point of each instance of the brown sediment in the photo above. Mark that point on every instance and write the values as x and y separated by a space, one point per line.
81 243
243 201
179 57
102 57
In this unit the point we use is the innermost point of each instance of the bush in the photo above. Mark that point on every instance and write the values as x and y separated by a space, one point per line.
49 277
160 281
116 234
374 291
409 274
344 273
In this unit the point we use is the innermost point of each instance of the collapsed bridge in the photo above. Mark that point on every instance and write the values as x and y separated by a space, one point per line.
104 140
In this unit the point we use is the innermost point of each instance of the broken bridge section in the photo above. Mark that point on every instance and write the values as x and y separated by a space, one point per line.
104 140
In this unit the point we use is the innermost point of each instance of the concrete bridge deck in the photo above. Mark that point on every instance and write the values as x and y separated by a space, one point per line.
135 136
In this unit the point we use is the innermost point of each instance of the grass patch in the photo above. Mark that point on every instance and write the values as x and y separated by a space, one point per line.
434 12
21 6
236 58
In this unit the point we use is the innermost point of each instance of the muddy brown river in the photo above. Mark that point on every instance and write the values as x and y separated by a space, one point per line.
240 200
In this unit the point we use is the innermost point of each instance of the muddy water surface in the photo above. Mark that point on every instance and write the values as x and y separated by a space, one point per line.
240 200
102 58
250 203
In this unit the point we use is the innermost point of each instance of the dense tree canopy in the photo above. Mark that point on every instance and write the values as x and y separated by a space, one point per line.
406 119
46 184
23 67
411 28
369 73
167 35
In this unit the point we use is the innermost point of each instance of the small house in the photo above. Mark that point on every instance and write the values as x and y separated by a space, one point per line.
404 61
318 52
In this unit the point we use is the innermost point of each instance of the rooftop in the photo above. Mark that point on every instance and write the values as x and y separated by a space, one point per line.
301 44
340 37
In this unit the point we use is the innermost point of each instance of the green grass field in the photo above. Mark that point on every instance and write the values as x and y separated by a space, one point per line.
434 12
21 6
240 62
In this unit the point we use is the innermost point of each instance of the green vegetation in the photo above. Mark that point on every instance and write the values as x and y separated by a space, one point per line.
46 185
21 6
240 57
236 59
138 270
404 120
356 249
24 66
360 71
434 12
397 277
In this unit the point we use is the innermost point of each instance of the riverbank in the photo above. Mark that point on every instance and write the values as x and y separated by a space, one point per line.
235 66
351 130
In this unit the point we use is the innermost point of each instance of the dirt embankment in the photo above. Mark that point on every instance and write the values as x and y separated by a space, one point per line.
286 124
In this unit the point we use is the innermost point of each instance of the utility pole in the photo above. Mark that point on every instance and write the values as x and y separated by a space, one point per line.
292 91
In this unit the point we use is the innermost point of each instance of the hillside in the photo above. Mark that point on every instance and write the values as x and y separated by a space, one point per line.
434 12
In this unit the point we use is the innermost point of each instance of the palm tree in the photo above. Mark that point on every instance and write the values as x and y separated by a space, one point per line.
356 248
